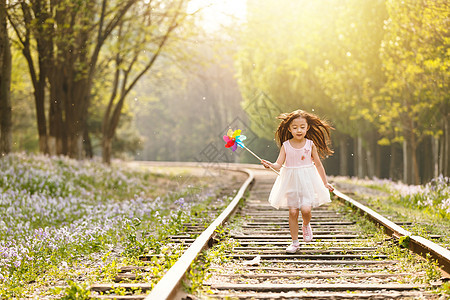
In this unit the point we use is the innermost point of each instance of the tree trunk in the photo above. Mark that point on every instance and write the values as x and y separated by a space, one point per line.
44 43
360 157
442 154
87 143
43 35
410 168
5 84
354 155
370 165
425 159
445 153
415 167
68 109
406 166
435 156
38 81
343 157
371 146
39 100
78 102
377 161
57 127
393 163
106 149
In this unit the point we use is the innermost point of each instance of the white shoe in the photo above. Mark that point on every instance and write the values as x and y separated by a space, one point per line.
307 233
292 248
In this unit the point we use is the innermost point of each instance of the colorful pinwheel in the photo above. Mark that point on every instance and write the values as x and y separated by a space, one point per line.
234 139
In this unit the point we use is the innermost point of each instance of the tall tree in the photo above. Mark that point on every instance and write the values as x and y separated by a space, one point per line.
191 103
318 57
69 37
278 57
140 40
21 17
326 56
5 84
351 76
416 61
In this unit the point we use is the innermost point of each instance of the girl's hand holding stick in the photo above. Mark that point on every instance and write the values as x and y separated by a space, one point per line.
329 186
268 164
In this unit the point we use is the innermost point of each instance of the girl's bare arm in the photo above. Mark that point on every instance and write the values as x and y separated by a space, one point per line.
320 168
280 160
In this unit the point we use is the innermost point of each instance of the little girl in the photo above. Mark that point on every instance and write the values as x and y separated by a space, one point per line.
302 183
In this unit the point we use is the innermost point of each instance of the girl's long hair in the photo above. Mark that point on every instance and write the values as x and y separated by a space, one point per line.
318 132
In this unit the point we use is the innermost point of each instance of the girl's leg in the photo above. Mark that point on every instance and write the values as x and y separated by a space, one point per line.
306 214
293 222
293 228
306 228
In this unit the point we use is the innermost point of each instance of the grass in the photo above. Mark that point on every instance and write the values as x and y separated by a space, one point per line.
427 207
408 262
68 224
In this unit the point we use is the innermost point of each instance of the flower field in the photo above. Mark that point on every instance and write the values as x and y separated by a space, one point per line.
426 206
65 224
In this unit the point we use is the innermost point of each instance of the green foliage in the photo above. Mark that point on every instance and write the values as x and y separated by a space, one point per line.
133 245
82 40
351 74
76 291
410 262
426 207
416 65
379 70
432 198
445 288
198 273
404 241
187 110
323 58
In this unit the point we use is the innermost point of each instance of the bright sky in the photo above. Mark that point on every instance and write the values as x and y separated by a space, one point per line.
219 12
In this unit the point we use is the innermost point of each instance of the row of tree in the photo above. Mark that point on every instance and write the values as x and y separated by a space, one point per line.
378 70
84 55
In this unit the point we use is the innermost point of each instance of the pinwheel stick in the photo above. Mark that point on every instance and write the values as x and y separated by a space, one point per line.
259 158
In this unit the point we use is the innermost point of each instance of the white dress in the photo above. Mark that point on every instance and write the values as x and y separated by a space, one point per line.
299 182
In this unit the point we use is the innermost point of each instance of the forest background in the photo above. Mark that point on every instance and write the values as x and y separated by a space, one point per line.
148 80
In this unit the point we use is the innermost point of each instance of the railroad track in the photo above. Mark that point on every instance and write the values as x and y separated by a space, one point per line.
342 262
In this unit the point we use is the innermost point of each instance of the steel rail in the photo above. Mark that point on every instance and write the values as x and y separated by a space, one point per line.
168 286
417 244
